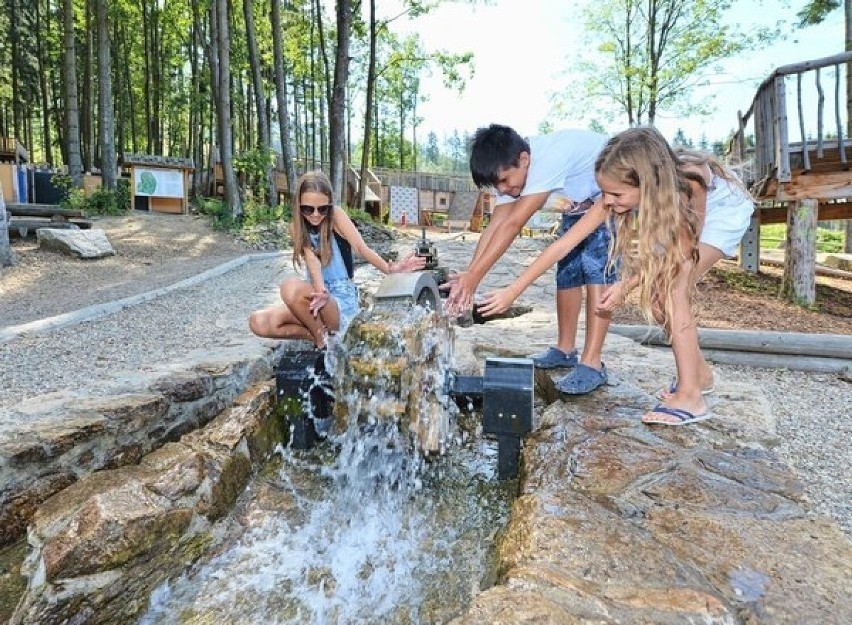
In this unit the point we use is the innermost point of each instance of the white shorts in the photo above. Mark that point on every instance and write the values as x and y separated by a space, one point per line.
727 218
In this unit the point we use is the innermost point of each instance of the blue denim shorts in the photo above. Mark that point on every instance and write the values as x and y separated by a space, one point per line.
345 293
586 263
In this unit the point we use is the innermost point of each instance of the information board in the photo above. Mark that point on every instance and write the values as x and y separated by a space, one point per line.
158 182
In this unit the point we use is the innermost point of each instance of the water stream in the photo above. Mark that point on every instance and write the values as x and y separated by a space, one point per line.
359 534
361 529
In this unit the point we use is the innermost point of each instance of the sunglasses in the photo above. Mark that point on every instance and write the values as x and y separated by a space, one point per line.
308 210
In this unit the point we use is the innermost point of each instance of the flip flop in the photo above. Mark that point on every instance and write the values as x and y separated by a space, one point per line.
664 393
683 417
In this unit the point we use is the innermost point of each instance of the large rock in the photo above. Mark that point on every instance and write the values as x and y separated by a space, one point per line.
91 243
100 546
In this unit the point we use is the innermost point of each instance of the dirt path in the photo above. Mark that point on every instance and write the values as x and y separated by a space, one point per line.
154 250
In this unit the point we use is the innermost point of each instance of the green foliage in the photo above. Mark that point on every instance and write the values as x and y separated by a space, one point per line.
100 202
257 213
219 213
356 214
646 57
103 202
773 236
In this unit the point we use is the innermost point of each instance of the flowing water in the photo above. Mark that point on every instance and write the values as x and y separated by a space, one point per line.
361 529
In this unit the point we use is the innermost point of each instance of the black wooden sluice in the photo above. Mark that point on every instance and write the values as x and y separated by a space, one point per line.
304 393
505 396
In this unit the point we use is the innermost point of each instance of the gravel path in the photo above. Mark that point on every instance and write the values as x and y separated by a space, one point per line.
163 330
813 410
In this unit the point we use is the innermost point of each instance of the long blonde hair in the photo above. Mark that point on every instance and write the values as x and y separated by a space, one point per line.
640 157
300 228
698 158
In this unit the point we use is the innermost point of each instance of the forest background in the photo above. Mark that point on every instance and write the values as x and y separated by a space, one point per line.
263 83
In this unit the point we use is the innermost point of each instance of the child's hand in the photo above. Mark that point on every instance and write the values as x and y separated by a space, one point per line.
461 288
612 298
318 300
408 264
496 302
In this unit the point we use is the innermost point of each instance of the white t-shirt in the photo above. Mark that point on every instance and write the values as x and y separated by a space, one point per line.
562 163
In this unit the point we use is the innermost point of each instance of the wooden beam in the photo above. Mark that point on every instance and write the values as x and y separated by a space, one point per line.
792 343
836 185
827 212
43 210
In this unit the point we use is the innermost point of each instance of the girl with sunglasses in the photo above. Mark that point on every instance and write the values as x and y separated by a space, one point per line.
323 241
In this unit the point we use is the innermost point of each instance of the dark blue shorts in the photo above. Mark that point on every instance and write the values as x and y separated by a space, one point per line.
586 263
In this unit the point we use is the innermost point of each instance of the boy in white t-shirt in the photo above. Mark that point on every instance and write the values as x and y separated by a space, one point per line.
525 174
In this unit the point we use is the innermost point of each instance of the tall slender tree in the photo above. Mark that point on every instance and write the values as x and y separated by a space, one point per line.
281 96
72 111
337 107
106 123
259 98
222 47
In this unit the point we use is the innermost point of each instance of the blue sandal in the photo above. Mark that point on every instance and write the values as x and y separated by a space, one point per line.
554 358
583 379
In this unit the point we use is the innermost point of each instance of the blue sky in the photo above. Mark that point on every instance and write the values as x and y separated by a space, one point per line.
521 50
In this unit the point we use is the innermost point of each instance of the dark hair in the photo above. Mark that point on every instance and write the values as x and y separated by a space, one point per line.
492 149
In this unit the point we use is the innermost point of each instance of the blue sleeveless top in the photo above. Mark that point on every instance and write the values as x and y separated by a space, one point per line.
340 286
336 268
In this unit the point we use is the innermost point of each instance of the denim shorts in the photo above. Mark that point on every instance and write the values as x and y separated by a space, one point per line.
345 293
586 263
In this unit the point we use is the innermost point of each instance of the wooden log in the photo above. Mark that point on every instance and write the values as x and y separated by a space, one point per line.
814 364
791 343
23 228
799 281
43 210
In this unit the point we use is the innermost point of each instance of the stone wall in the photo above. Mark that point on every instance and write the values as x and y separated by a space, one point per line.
100 546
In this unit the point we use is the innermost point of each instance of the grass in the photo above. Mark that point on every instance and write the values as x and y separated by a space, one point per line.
773 236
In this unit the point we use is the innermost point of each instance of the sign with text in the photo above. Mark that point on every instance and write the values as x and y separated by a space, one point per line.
158 182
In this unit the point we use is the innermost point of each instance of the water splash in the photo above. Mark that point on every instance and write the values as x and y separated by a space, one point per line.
364 528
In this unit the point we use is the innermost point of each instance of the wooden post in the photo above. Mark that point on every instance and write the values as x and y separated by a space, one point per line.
799 282
7 257
750 245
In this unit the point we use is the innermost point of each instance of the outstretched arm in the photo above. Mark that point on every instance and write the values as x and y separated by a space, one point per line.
496 302
344 226
506 222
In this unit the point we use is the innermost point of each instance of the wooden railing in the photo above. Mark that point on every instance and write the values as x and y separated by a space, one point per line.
762 142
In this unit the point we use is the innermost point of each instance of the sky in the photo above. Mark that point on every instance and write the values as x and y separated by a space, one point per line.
522 49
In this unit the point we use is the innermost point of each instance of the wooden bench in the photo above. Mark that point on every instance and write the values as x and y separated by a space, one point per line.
26 219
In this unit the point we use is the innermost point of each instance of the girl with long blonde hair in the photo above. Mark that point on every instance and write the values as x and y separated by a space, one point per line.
684 213
324 238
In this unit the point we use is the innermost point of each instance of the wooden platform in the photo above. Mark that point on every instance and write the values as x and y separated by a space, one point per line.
827 178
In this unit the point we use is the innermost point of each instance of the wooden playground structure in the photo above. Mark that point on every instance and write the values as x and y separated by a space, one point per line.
796 182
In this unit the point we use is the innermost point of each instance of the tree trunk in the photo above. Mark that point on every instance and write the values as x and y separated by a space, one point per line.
42 69
281 98
799 281
226 150
106 127
259 100
7 256
87 108
72 111
368 109
337 112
